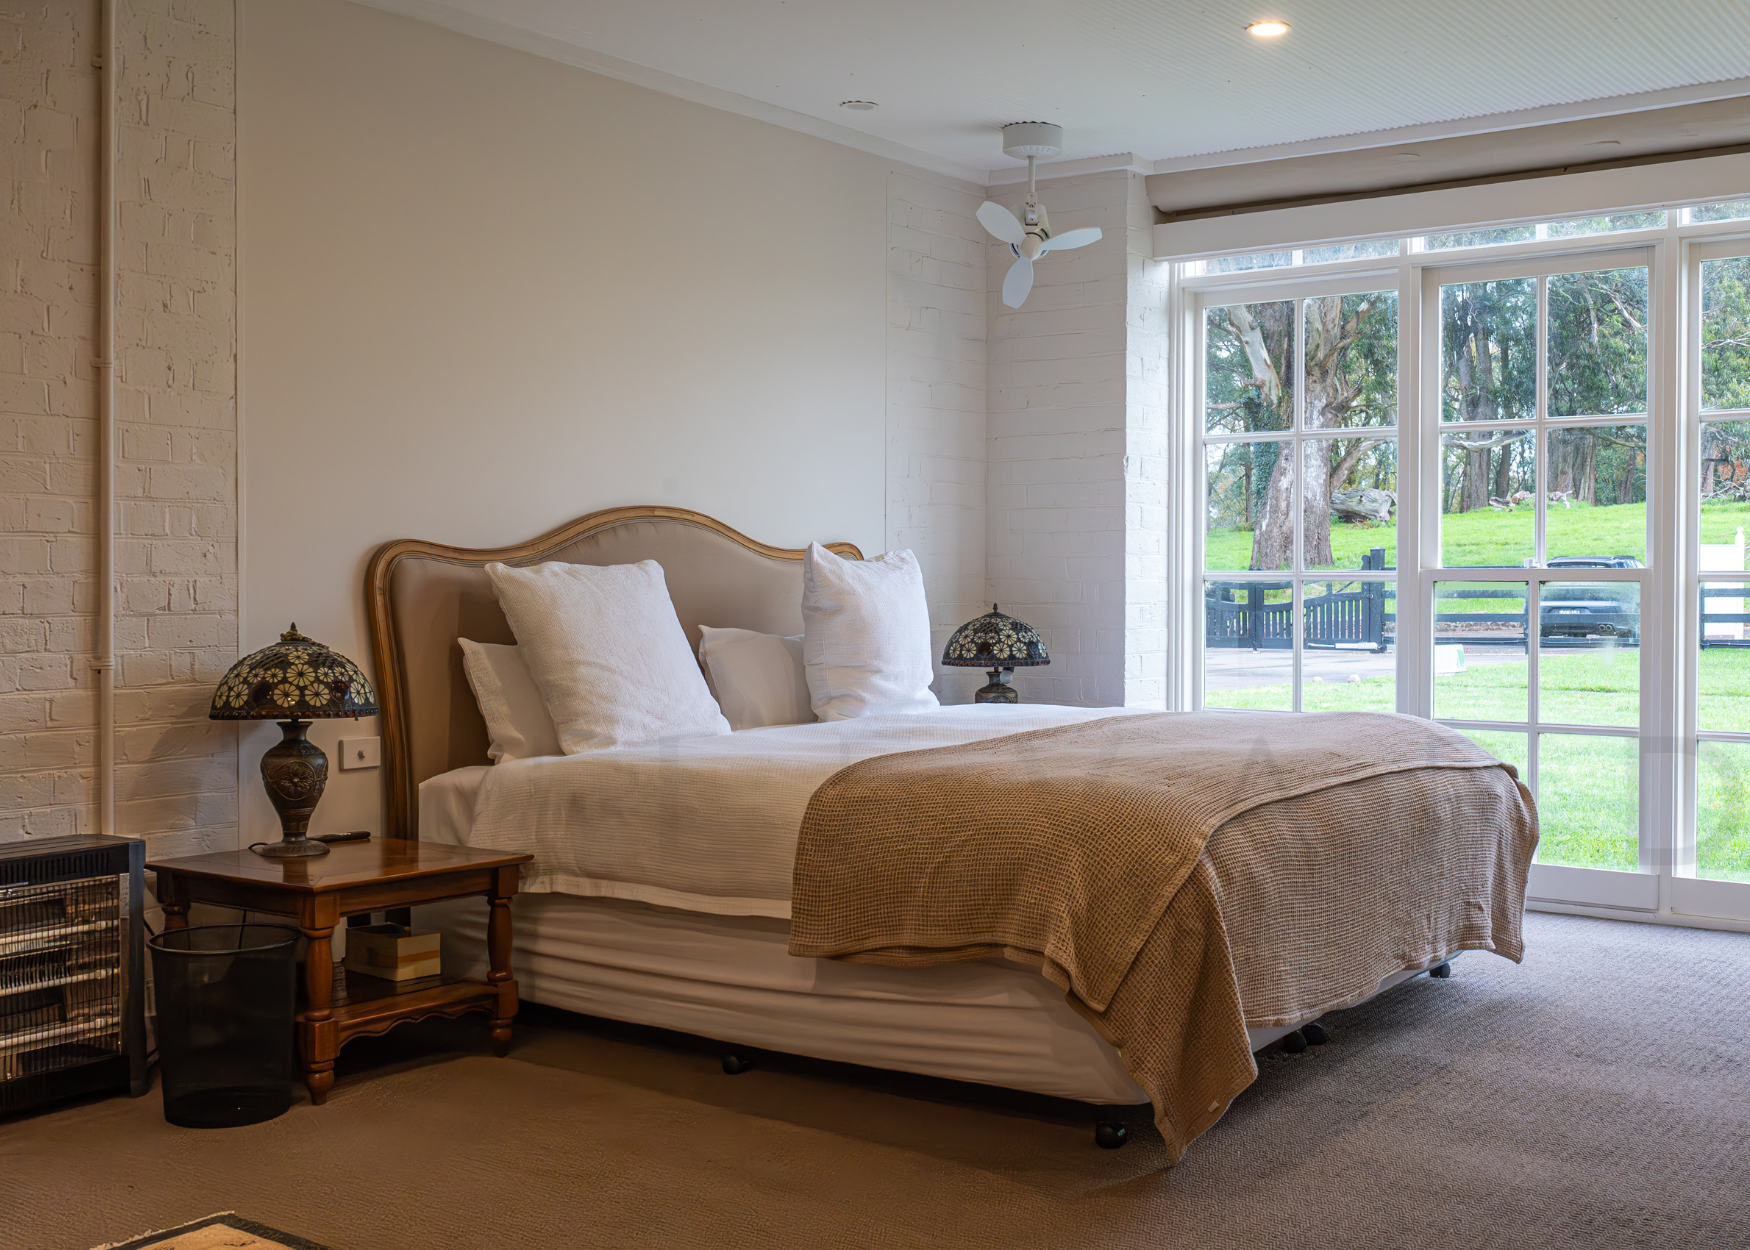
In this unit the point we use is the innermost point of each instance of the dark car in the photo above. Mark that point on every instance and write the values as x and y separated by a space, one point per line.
1600 610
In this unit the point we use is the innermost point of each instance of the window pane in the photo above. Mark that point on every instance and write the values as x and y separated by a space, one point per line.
1597 509
1589 668
1509 747
1349 660
1722 810
1370 250
1725 333
1350 503
1351 360
1588 801
1731 210
1241 264
1725 480
1480 665
1723 665
1249 370
1488 514
1249 522
1248 659
1488 350
1598 343
1609 224
1479 238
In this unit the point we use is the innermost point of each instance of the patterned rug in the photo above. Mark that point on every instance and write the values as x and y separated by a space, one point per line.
225 1231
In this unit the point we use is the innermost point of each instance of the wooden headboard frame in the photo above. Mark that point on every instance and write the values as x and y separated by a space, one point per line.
400 760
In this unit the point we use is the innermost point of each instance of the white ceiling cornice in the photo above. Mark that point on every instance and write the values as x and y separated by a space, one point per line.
494 31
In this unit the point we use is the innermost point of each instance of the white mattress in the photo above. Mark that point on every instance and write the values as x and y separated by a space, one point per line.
704 824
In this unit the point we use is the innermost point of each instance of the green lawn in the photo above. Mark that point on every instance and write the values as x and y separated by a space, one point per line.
1588 786
1499 538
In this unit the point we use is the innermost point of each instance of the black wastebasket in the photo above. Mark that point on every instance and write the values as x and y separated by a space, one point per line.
227 997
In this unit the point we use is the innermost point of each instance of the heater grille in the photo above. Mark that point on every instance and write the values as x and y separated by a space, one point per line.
70 969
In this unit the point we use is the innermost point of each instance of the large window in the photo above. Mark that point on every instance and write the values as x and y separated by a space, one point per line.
1526 519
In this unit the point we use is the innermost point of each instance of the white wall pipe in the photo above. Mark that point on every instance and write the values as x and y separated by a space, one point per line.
106 264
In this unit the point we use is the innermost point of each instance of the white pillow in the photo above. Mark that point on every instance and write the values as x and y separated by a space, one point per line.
758 678
866 635
607 653
516 720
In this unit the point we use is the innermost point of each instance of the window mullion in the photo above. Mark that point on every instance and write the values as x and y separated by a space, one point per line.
1539 438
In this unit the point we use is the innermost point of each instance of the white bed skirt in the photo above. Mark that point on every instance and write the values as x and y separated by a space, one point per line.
732 978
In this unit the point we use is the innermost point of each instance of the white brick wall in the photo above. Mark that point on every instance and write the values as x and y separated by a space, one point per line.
936 398
176 420
1077 450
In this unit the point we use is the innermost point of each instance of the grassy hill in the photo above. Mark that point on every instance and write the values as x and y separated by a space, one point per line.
1504 538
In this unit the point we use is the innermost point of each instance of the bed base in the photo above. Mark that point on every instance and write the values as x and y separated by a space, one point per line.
1111 1133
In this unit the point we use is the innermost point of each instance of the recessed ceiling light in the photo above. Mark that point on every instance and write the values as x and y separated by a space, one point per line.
1268 29
858 106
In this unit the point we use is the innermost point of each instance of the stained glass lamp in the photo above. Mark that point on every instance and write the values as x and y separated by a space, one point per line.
295 681
1000 643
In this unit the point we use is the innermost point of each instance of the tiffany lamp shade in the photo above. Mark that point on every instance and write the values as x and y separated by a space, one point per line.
1000 643
295 681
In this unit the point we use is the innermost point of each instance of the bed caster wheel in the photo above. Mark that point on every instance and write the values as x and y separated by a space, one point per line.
1294 1042
735 1065
1441 971
1110 1134
1315 1034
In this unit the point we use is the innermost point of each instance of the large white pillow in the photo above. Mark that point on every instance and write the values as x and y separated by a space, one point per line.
516 719
607 653
758 678
866 635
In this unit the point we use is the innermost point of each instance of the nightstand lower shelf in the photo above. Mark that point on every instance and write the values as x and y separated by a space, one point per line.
366 1006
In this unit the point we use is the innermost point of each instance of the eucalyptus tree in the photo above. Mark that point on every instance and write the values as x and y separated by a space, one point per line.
1349 383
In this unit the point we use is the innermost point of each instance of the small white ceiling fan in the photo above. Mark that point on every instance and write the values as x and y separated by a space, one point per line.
1026 228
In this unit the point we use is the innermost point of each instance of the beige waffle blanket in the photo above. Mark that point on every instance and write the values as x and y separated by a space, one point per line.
1085 850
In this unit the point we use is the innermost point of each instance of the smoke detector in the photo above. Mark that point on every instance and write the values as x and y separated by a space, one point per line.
1021 139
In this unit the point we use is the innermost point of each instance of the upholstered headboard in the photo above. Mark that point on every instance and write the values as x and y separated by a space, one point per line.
422 596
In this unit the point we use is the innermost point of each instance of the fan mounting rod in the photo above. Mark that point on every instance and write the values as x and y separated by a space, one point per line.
1032 140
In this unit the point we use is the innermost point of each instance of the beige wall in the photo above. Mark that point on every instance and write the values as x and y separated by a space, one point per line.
483 293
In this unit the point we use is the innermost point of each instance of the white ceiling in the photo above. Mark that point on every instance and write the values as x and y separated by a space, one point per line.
1165 80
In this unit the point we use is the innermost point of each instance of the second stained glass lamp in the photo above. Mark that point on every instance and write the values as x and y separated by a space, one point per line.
1000 643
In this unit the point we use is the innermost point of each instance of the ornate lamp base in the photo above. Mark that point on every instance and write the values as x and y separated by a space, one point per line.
295 772
999 690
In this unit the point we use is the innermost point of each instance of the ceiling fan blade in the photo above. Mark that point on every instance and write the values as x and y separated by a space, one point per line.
1072 238
1018 283
1000 222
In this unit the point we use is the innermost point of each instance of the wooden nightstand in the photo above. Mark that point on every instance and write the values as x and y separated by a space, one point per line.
354 878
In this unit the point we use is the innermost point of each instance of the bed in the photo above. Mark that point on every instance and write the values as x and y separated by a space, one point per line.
628 917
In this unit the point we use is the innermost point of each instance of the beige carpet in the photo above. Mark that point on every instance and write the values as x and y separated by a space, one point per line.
1595 1097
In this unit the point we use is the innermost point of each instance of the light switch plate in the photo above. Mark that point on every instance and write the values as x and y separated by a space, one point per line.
361 752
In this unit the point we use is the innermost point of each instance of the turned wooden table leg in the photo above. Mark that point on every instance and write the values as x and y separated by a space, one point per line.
173 901
317 1034
498 955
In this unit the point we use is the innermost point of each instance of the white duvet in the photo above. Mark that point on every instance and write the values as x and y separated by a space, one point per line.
704 824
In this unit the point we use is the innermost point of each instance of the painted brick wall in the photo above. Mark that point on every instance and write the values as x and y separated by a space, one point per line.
936 329
176 420
1076 428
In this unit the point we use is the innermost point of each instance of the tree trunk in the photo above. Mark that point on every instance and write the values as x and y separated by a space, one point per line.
1273 536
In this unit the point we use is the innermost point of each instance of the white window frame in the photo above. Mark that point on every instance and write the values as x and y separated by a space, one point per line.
1664 889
